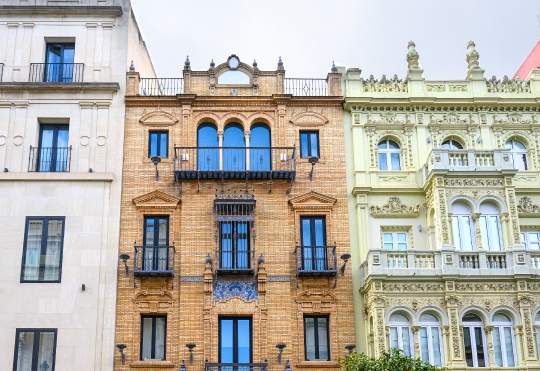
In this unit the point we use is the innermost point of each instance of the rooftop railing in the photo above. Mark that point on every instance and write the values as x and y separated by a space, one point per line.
306 87
56 72
164 86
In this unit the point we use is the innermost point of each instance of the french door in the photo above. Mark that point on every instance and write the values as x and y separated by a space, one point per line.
313 231
235 337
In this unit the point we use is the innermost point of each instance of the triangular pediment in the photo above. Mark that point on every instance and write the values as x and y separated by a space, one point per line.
313 200
156 200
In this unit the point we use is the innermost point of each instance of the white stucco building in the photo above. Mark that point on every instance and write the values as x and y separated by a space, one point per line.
62 82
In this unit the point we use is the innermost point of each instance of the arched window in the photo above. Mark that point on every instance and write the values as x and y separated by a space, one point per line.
503 341
430 339
389 155
259 148
474 339
462 227
234 148
451 144
537 320
401 334
519 154
207 151
233 78
490 227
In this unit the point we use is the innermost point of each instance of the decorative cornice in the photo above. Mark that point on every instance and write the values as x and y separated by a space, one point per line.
395 209
312 200
156 200
526 208
114 11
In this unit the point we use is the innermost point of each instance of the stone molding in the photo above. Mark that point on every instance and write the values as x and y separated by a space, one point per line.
395 209
156 200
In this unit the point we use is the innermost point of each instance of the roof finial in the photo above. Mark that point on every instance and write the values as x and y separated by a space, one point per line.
472 55
187 64
132 67
212 64
254 63
334 68
412 56
280 64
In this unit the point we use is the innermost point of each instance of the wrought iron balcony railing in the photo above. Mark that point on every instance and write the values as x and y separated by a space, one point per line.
164 86
235 162
236 366
306 87
235 261
316 260
154 261
49 159
56 72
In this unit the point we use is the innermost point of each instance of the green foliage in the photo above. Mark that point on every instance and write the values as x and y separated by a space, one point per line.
389 361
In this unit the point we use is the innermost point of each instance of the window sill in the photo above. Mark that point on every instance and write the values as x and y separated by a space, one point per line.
57 176
153 364
317 364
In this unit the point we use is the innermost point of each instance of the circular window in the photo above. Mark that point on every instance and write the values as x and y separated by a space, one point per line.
233 63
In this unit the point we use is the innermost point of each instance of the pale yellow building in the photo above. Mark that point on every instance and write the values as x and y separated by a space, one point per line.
444 195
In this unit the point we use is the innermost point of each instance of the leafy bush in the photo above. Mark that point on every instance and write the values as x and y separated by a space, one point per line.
389 361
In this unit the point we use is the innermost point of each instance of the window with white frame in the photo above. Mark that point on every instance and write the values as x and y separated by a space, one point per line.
401 334
519 154
451 144
389 155
430 339
503 341
531 239
474 341
395 240
490 227
462 227
537 321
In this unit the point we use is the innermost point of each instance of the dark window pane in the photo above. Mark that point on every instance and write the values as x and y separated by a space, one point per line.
316 338
468 347
25 348
309 327
226 337
235 341
304 149
35 350
153 144
309 144
163 144
153 338
322 337
314 144
479 347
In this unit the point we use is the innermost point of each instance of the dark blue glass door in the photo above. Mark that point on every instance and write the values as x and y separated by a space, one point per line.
259 151
313 230
59 63
235 341
234 151
235 245
156 242
207 148
53 148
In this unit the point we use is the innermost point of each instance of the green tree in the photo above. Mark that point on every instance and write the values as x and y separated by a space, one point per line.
389 361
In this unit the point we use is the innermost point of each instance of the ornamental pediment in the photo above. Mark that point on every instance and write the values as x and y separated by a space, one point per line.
156 200
395 209
158 118
154 299
526 208
312 200
309 118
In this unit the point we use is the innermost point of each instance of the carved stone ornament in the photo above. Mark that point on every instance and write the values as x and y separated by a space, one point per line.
384 85
312 201
450 118
156 200
513 118
412 56
158 117
388 118
527 209
309 118
507 85
153 299
395 209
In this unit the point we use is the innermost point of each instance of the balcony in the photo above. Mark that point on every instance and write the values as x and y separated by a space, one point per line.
450 261
467 160
154 261
56 72
306 87
235 366
161 87
235 163
235 262
49 159
314 261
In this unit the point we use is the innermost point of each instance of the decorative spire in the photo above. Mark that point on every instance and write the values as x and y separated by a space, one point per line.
472 56
280 64
254 63
288 367
212 64
187 64
208 259
183 367
412 56
334 68
132 67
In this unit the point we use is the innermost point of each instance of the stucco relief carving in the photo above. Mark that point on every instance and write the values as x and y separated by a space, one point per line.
158 117
436 88
450 118
512 118
395 209
527 209
458 88
387 118
156 200
513 215
413 287
153 299
507 85
473 182
395 85
485 287
235 305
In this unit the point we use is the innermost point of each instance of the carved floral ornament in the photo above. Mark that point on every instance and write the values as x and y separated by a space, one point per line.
451 118
526 208
395 209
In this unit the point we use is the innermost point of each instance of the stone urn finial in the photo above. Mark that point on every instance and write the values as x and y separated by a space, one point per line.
412 56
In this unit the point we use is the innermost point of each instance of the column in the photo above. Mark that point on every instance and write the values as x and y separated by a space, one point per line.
246 137
491 352
416 336
220 144
27 48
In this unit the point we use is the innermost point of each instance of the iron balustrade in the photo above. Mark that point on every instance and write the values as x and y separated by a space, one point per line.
56 72
49 159
306 87
235 162
1 70
165 86
154 261
316 260
236 366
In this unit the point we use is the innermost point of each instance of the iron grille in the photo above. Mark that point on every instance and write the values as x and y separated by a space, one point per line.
154 261
316 260
49 159
306 87
165 86
56 72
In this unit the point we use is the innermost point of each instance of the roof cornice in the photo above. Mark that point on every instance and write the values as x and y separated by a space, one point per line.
56 10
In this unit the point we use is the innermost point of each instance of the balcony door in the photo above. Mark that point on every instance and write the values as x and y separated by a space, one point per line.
313 231
234 245
156 242
235 341
59 63
53 148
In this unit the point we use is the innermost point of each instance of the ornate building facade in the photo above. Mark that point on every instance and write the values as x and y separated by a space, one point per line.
444 192
234 228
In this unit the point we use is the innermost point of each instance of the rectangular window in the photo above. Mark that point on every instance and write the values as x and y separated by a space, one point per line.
59 62
153 334
158 144
235 340
531 240
309 144
53 152
475 351
234 245
35 350
42 252
490 231
395 240
313 231
156 242
317 338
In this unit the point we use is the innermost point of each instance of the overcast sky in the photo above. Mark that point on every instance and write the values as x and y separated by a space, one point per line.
368 34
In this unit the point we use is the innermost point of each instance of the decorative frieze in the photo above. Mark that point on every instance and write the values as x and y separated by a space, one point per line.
244 290
395 85
395 209
507 85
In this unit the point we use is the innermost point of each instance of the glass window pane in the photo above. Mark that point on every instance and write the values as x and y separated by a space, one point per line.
160 338
394 338
319 232
484 233
497 351
244 341
509 347
314 145
383 165
392 145
523 162
163 231
323 338
480 355
309 324
53 249
467 233
163 144
226 337
306 232
388 237
533 237
523 239
146 342
25 348
46 350
455 231
383 145
402 246
468 346
304 145
495 236
33 250
424 350
436 346
153 144
402 237
63 137
149 241
396 164
69 54
406 340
